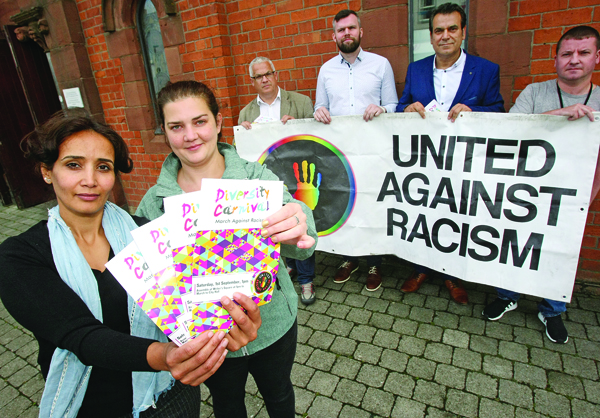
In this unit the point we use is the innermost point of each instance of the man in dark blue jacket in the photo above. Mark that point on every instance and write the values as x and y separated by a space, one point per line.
450 81
457 81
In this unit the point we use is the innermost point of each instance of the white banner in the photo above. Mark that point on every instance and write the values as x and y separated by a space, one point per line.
499 199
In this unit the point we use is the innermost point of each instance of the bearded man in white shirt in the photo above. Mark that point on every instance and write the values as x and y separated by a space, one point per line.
354 82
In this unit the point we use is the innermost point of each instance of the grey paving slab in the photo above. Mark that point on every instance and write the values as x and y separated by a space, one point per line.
378 402
592 391
494 409
399 384
439 353
346 367
461 403
406 408
344 346
482 384
350 392
389 354
552 404
323 383
450 376
484 345
515 394
430 393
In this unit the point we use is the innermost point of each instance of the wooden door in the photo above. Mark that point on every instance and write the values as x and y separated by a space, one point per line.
27 96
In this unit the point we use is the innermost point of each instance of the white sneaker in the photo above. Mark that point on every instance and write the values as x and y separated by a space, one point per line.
307 295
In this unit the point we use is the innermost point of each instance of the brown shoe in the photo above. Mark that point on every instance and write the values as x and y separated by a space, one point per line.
373 279
414 282
344 272
457 292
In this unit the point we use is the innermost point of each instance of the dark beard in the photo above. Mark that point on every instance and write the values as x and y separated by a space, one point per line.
349 48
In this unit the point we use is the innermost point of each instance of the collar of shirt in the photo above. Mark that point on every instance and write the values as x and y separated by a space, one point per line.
460 63
269 112
447 81
359 58
262 102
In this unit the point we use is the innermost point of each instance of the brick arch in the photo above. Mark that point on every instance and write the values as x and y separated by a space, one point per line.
123 43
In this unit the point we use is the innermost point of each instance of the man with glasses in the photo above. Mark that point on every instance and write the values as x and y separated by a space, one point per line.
273 104
355 82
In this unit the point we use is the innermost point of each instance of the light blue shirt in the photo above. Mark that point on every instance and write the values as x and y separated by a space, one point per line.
347 89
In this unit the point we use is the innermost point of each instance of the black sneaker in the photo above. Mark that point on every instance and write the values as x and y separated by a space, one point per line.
497 308
555 329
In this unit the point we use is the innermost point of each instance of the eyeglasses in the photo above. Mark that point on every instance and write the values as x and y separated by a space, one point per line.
260 76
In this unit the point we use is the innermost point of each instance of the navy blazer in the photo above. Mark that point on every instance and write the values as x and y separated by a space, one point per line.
479 86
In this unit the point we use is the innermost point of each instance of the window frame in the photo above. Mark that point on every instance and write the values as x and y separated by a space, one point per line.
140 4
411 23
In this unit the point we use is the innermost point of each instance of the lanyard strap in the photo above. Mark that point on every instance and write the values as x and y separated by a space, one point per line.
560 95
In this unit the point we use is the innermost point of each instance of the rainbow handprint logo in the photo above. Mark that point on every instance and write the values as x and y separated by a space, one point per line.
317 173
306 191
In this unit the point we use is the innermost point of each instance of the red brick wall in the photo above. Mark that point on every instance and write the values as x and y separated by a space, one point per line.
108 73
222 37
547 20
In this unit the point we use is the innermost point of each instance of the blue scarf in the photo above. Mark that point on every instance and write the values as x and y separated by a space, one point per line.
68 378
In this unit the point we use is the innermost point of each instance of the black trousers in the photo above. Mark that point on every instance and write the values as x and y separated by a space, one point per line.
181 401
271 369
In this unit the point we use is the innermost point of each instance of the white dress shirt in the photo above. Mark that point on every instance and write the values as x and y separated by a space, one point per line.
269 112
347 89
446 82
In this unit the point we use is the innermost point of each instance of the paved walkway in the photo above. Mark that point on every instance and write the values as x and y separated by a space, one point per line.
387 354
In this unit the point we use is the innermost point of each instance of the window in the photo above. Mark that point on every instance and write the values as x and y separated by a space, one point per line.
153 50
420 11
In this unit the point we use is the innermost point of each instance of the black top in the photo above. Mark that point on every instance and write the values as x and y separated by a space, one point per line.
35 295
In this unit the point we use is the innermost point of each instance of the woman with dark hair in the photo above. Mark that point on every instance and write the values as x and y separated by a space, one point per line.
192 125
100 354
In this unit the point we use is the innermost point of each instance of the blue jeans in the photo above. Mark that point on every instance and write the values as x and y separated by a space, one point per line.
372 260
547 307
271 369
426 270
304 268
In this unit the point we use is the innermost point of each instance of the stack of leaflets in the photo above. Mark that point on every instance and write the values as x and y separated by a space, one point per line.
208 244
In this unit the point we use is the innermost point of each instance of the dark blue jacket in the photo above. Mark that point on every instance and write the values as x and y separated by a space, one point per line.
479 87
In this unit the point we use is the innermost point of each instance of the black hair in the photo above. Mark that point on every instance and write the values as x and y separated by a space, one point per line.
446 9
43 144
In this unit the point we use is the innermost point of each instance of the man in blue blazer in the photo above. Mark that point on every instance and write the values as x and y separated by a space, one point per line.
457 81
451 81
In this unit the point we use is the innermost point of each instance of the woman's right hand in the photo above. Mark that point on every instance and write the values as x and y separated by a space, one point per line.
248 323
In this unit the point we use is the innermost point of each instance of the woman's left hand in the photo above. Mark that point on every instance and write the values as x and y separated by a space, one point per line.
288 226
